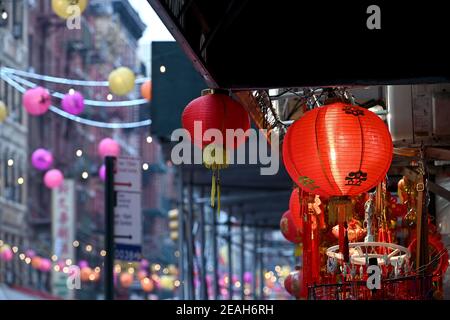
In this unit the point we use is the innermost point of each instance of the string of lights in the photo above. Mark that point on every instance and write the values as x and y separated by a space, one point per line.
92 103
125 125
63 80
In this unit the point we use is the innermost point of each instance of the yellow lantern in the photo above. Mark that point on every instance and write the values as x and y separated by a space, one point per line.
64 8
121 81
166 282
3 112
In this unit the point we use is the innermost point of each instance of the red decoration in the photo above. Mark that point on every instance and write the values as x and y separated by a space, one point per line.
337 150
289 229
294 208
293 284
215 111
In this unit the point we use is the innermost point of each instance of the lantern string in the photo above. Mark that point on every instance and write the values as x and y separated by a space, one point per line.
93 103
63 80
99 124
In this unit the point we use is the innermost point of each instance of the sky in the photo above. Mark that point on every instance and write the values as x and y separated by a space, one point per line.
156 31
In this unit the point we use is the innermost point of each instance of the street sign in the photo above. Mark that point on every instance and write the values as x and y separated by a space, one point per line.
128 213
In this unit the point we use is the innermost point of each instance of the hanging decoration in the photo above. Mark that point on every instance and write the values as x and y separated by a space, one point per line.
6 253
215 110
42 159
121 81
53 178
338 150
64 8
293 283
102 172
126 279
147 284
108 147
290 230
3 111
73 103
11 76
36 101
146 90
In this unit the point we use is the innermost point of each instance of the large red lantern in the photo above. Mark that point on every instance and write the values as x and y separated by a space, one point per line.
338 150
219 112
291 231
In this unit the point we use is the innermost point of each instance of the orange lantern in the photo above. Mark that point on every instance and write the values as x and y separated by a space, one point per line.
147 284
146 90
126 280
338 150
141 274
85 273
36 262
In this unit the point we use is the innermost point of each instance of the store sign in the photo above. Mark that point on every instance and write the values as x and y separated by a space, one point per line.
128 212
63 230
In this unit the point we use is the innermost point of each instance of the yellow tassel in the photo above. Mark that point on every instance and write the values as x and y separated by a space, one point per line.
218 193
213 188
298 251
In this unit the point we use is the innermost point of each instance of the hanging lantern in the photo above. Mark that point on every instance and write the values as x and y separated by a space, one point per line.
293 283
102 172
36 262
6 253
53 178
108 147
338 151
83 264
146 90
217 111
141 274
36 101
63 8
121 81
42 159
3 112
85 273
291 231
126 280
147 284
46 265
73 103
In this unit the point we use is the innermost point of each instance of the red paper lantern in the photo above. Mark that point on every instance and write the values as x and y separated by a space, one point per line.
337 150
291 231
293 283
215 111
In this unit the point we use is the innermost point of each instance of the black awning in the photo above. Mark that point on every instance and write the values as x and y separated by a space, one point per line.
244 44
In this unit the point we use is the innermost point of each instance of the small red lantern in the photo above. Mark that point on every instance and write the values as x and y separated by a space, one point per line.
293 283
338 150
291 231
214 110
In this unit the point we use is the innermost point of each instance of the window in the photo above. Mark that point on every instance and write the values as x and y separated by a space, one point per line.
17 24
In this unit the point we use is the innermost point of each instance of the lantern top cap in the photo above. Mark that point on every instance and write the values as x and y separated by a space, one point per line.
209 91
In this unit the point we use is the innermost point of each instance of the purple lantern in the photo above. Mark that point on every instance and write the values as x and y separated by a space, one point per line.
248 277
42 159
73 103
30 253
102 172
83 264
36 101
144 264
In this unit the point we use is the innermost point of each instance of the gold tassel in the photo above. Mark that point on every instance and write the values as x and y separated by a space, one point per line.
215 158
340 209
213 188
298 251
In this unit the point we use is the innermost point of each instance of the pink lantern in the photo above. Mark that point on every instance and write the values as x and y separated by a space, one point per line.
83 264
30 253
102 172
36 101
61 264
248 277
46 265
53 178
6 254
73 103
42 159
144 264
108 147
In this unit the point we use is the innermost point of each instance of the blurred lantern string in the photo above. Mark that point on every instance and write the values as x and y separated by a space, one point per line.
13 81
